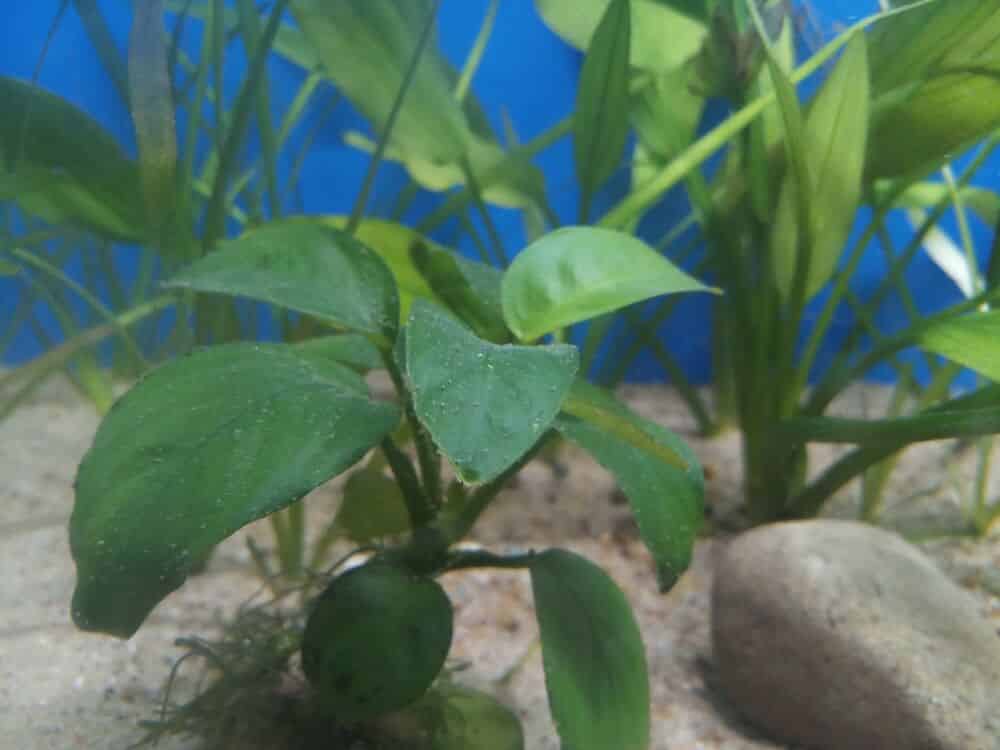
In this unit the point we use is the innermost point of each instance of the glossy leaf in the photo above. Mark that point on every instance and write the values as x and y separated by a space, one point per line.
970 340
833 160
372 507
653 24
375 641
63 166
666 500
452 287
151 105
303 266
394 242
578 273
198 449
935 85
595 662
484 405
600 122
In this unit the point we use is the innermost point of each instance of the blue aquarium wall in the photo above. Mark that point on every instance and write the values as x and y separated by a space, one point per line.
527 73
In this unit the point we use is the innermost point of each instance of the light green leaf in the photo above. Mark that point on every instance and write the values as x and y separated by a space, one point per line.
666 113
373 507
66 167
970 340
922 196
935 72
454 717
201 447
595 663
578 273
151 105
834 144
662 38
393 242
303 266
600 122
484 405
667 501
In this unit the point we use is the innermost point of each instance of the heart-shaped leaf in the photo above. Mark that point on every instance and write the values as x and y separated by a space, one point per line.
483 404
199 448
595 663
578 273
304 266
667 500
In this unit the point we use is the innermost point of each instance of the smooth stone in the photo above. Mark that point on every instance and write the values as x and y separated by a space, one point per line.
834 635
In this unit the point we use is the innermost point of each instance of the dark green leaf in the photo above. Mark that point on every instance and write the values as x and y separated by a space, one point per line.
595 663
484 405
60 160
833 161
578 273
152 107
199 448
667 501
303 266
452 287
393 242
600 122
373 507
375 641
662 38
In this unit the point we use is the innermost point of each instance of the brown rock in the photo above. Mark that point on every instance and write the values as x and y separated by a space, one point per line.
837 635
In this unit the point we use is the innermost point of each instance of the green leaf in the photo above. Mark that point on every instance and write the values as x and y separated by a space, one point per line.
833 161
373 507
935 73
62 165
151 104
601 119
198 449
483 404
393 242
303 266
452 287
662 38
351 349
577 273
666 113
453 717
7 268
923 196
375 641
364 49
969 340
667 501
595 663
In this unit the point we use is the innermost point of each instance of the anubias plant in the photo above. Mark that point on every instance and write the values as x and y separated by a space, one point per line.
228 434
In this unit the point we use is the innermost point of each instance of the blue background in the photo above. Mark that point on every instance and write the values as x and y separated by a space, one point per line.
526 71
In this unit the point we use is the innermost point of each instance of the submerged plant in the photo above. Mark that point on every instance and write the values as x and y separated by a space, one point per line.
229 434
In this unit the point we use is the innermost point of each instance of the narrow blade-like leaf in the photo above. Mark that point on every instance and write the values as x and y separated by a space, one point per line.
601 121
